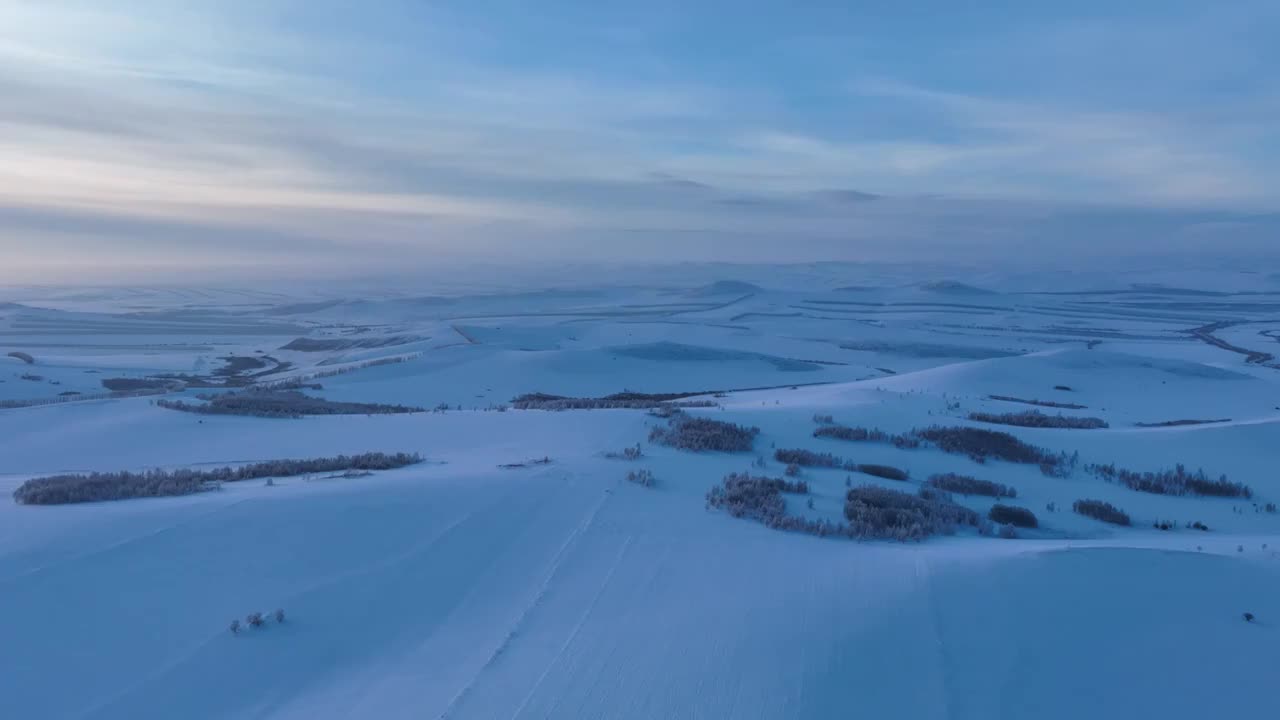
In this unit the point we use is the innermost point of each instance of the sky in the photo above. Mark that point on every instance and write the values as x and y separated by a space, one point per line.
259 138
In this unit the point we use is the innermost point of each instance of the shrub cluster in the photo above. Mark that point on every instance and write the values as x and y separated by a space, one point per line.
616 401
966 485
872 512
94 487
1040 403
641 477
544 460
754 497
627 453
861 434
876 512
981 444
887 472
808 458
1100 510
256 620
1013 515
276 403
126 384
1179 423
686 432
977 443
305 344
1037 419
237 364
1177 481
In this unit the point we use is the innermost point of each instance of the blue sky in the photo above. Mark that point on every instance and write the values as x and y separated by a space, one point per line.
152 138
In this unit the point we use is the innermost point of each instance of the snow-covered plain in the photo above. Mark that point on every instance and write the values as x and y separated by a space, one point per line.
457 589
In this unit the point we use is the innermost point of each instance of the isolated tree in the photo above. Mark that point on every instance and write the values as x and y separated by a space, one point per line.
235 627
279 615
254 619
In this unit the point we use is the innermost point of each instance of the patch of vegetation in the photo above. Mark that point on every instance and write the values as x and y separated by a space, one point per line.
876 512
237 364
24 357
966 485
981 444
273 403
627 453
871 512
808 458
1037 419
1013 515
644 478
755 497
331 344
255 620
95 487
125 384
824 419
686 432
1177 481
887 472
861 434
1101 510
527 463
617 401
1065 388
1041 403
1179 423
32 377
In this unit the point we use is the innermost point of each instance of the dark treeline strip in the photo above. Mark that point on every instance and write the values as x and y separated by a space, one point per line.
1178 481
1037 419
276 403
616 401
1041 403
95 487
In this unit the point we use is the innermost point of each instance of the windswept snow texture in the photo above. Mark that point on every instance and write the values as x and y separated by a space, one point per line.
457 588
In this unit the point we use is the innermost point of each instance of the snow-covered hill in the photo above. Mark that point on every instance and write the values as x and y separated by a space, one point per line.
457 588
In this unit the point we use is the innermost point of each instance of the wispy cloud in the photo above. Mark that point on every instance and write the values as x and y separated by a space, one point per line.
251 130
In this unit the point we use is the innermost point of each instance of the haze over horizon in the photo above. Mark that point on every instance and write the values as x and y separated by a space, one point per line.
282 138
